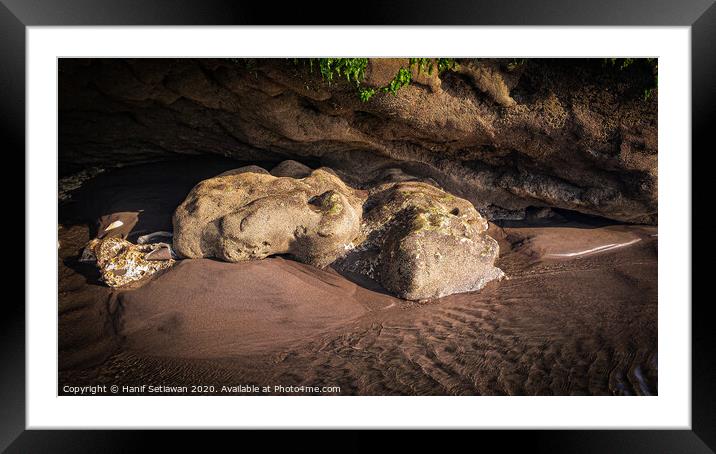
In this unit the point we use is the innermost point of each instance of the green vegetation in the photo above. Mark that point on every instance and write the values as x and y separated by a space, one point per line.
427 65
516 63
353 69
651 63
401 79
365 93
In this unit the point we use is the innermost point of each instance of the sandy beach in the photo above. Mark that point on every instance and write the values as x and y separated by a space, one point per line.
577 314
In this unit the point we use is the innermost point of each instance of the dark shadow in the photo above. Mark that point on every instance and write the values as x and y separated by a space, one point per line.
363 281
86 269
557 217
151 190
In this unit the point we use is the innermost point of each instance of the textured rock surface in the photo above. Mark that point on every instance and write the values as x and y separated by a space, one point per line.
420 242
416 240
121 263
291 169
559 133
247 215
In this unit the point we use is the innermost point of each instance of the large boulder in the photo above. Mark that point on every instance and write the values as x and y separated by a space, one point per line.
420 242
437 254
415 239
249 215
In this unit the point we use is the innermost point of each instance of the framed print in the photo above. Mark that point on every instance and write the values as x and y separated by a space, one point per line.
400 218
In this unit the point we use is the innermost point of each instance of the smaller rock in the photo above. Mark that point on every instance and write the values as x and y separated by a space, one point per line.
291 168
121 262
244 169
154 235
163 251
118 224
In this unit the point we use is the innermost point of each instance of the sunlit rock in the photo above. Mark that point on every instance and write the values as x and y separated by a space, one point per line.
413 238
121 262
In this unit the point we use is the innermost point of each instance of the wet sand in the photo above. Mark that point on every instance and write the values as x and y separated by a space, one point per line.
576 316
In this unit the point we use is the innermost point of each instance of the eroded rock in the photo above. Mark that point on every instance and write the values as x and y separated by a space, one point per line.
251 215
290 168
568 134
420 242
415 239
121 263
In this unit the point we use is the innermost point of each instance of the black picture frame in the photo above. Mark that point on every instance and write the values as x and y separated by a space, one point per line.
700 15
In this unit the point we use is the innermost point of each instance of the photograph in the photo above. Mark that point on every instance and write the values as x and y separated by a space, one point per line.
475 219
345 226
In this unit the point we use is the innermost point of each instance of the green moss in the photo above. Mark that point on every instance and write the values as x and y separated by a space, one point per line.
353 69
331 204
433 219
335 209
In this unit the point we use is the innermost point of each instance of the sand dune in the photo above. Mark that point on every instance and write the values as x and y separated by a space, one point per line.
206 309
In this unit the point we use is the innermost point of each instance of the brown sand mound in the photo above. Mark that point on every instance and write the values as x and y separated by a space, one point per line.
204 308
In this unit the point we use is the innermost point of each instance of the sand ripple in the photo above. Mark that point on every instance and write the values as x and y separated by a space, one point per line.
574 327
578 314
